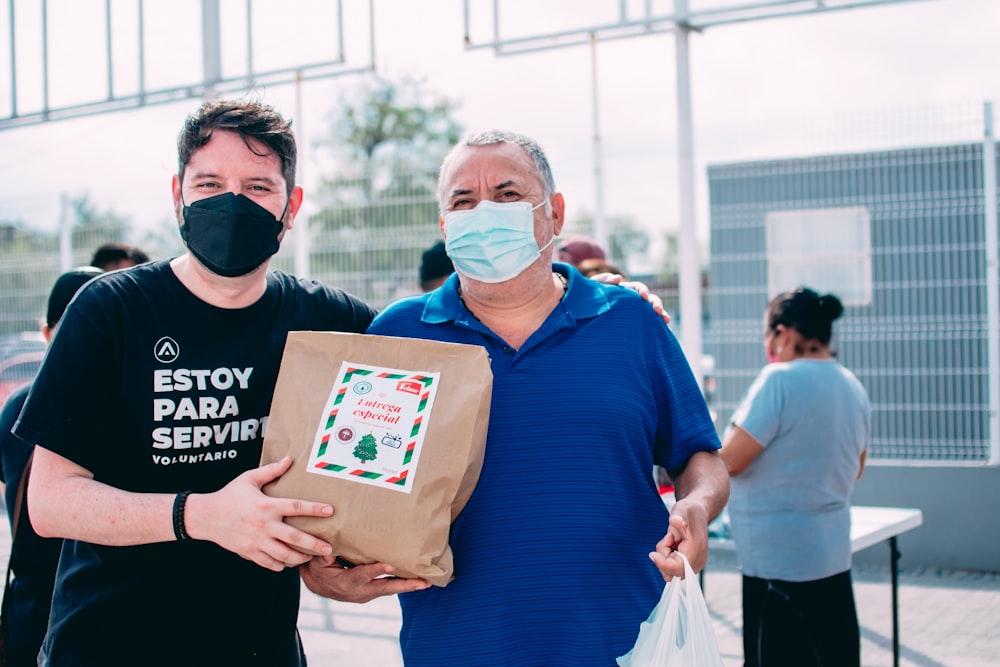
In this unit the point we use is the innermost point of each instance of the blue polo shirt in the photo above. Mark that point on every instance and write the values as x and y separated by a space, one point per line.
551 552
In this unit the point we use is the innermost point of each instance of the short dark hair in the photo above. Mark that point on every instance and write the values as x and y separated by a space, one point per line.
113 253
805 311
251 120
64 289
434 264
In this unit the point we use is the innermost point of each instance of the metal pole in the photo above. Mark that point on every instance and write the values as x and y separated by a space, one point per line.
13 60
250 69
496 26
894 573
690 272
45 55
210 47
65 235
142 50
371 34
302 240
600 231
109 50
992 278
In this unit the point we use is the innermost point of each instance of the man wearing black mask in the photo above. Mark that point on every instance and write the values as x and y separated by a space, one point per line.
149 413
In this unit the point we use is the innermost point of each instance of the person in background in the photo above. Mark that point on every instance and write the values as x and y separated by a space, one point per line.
435 267
33 559
148 417
593 266
552 552
795 447
575 249
113 256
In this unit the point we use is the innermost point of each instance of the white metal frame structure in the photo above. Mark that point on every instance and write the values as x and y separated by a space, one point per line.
681 22
212 81
992 267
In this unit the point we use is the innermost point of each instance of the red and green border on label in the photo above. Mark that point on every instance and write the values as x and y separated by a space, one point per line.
401 478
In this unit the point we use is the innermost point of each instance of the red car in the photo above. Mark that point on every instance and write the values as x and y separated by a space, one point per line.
18 369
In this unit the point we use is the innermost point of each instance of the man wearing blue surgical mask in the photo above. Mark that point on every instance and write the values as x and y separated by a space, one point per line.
563 548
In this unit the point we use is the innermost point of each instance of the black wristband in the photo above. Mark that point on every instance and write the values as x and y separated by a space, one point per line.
180 532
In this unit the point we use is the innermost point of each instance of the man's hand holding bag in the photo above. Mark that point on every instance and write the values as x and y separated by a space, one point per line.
391 432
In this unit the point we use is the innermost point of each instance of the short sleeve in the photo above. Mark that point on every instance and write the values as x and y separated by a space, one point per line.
685 424
57 412
759 414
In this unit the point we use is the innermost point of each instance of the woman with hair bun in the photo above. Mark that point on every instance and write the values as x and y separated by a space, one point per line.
795 447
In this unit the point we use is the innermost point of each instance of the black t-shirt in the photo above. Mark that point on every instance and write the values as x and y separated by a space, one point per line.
153 390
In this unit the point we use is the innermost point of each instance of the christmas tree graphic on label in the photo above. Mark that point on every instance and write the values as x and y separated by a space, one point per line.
373 425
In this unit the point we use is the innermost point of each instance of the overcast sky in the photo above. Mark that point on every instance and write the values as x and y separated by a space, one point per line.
881 76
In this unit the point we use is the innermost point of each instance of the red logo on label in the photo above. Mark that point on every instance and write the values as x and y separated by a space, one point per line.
409 386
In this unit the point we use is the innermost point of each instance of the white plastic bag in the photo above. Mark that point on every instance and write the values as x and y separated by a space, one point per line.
678 632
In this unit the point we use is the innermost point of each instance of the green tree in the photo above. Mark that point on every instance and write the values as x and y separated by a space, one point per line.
19 241
367 449
163 240
91 223
396 133
626 239
379 205
29 259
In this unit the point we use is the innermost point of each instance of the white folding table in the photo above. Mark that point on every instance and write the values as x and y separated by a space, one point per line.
869 526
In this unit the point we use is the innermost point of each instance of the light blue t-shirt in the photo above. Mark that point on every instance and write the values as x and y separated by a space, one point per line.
790 509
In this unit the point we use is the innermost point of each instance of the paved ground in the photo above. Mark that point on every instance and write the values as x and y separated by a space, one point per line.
947 619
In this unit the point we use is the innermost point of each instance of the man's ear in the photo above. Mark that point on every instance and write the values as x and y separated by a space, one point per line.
558 213
294 204
175 188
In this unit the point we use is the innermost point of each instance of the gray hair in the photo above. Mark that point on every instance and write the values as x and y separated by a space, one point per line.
493 137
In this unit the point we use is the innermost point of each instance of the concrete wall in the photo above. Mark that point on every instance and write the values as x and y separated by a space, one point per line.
961 507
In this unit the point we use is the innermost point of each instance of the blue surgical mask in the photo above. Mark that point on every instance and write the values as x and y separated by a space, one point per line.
492 242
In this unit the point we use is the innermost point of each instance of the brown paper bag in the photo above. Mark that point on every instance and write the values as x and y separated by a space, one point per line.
391 432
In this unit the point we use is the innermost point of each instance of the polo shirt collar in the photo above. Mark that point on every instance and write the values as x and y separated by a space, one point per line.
584 298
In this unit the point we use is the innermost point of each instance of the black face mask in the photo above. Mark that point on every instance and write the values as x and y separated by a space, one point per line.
230 234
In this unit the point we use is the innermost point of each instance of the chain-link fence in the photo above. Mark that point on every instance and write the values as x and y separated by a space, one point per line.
904 237
886 209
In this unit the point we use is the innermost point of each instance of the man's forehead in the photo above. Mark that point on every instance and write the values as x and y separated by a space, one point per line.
497 164
227 150
231 140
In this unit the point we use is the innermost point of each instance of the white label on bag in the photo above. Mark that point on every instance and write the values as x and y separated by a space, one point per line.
373 425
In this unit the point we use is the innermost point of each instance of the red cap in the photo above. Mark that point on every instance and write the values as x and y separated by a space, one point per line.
578 248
